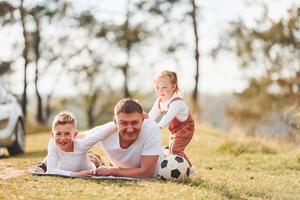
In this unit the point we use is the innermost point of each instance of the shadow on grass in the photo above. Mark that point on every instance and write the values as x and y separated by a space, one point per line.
120 183
215 187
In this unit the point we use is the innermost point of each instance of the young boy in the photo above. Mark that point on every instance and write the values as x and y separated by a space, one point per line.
68 156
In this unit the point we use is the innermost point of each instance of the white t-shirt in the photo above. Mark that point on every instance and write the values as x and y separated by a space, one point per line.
148 143
177 108
64 163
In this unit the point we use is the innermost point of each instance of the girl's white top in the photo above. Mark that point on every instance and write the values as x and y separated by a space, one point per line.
64 163
177 108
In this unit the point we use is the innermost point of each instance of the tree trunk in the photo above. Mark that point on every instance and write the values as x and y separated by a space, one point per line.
195 95
91 103
48 110
25 56
126 93
37 39
128 48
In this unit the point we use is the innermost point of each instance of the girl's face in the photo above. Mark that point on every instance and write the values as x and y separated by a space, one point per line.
164 88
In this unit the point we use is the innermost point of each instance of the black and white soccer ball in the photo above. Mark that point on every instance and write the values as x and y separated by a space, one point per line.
174 167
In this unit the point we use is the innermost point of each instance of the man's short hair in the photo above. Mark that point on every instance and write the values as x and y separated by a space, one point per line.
64 117
127 106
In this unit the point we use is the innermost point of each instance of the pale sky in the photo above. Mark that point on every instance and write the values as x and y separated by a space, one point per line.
216 76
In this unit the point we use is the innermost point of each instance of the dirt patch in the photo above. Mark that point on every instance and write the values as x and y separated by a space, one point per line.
7 171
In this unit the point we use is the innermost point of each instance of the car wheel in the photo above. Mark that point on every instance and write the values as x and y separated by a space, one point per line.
18 146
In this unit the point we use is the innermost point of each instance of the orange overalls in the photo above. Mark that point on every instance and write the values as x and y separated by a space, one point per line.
181 133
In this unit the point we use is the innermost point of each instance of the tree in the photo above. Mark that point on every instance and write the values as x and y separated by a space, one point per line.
7 17
126 36
36 48
273 48
25 56
167 10
194 14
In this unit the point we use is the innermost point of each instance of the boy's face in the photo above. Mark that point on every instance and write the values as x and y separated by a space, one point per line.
64 135
129 126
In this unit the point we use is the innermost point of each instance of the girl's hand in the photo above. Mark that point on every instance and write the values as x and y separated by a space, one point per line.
145 115
83 173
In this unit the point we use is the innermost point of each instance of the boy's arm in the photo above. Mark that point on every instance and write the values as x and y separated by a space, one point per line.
97 134
147 168
81 135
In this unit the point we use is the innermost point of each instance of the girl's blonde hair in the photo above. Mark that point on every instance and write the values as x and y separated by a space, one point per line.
172 76
64 117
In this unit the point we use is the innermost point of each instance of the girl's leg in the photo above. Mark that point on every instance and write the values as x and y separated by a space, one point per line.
178 145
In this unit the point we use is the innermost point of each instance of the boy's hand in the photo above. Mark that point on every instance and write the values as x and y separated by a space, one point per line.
36 169
83 173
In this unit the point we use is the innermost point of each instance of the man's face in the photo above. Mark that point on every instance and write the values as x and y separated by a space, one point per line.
64 135
129 126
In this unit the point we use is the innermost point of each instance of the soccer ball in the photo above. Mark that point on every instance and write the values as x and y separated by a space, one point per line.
174 167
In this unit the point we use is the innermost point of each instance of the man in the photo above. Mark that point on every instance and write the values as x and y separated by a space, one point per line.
135 148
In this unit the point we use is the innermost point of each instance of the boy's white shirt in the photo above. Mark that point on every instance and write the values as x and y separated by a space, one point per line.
64 163
148 143
177 109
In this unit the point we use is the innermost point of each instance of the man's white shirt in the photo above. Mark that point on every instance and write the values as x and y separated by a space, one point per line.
148 143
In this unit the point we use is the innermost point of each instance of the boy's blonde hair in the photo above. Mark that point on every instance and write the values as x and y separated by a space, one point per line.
172 76
64 117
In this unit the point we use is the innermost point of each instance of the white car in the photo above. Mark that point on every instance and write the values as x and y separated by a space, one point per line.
11 123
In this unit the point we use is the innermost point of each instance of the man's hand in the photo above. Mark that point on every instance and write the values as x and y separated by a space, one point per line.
83 173
104 171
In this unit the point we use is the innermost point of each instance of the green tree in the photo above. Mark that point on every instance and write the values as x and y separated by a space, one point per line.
126 36
189 15
272 48
7 17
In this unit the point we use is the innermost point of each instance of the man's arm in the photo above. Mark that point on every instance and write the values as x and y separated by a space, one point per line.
147 168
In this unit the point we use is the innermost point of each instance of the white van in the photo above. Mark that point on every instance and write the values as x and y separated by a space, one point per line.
11 123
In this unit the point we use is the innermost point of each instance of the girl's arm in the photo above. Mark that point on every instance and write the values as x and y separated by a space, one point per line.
97 134
154 113
174 109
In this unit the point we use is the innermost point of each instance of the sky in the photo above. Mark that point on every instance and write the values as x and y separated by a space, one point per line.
216 76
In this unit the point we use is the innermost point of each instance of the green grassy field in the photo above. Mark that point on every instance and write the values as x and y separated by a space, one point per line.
227 168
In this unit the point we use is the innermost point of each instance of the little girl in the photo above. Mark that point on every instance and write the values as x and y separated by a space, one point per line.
175 113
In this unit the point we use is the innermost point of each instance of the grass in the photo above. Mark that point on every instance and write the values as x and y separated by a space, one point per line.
227 168
237 148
